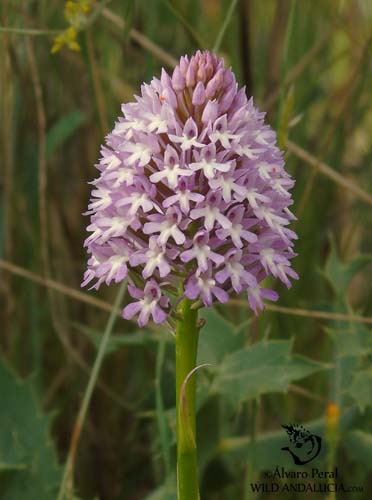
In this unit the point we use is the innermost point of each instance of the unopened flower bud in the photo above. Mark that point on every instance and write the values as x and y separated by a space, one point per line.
198 96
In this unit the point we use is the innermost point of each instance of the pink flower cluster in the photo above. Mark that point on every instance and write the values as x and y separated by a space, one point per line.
192 190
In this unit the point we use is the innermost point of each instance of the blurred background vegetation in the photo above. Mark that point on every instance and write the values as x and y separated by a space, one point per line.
63 75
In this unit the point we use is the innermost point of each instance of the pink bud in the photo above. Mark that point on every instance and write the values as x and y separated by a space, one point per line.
190 76
165 79
209 70
201 74
184 64
214 84
198 96
178 80
228 78
227 99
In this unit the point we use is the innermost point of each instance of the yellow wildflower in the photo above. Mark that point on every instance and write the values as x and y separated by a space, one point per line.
68 37
75 12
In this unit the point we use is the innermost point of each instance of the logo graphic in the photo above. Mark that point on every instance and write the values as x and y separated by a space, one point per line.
303 446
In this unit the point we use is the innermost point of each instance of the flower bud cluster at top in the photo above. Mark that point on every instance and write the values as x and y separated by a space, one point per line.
192 190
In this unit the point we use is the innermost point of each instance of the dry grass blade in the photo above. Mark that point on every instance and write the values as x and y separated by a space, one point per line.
42 165
141 39
329 172
297 70
6 113
97 84
76 295
306 393
309 313
106 306
344 108
56 286
25 31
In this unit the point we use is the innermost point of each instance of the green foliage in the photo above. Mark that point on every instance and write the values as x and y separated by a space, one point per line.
307 65
262 368
238 373
63 129
354 339
359 447
353 342
361 388
28 464
217 338
340 274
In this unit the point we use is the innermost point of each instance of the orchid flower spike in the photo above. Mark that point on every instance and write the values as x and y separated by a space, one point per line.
192 189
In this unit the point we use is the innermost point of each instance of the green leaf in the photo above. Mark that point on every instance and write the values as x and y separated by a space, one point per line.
353 340
358 445
361 388
63 129
216 338
338 273
264 367
28 464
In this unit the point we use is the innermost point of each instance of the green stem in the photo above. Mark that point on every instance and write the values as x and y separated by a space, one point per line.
186 351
